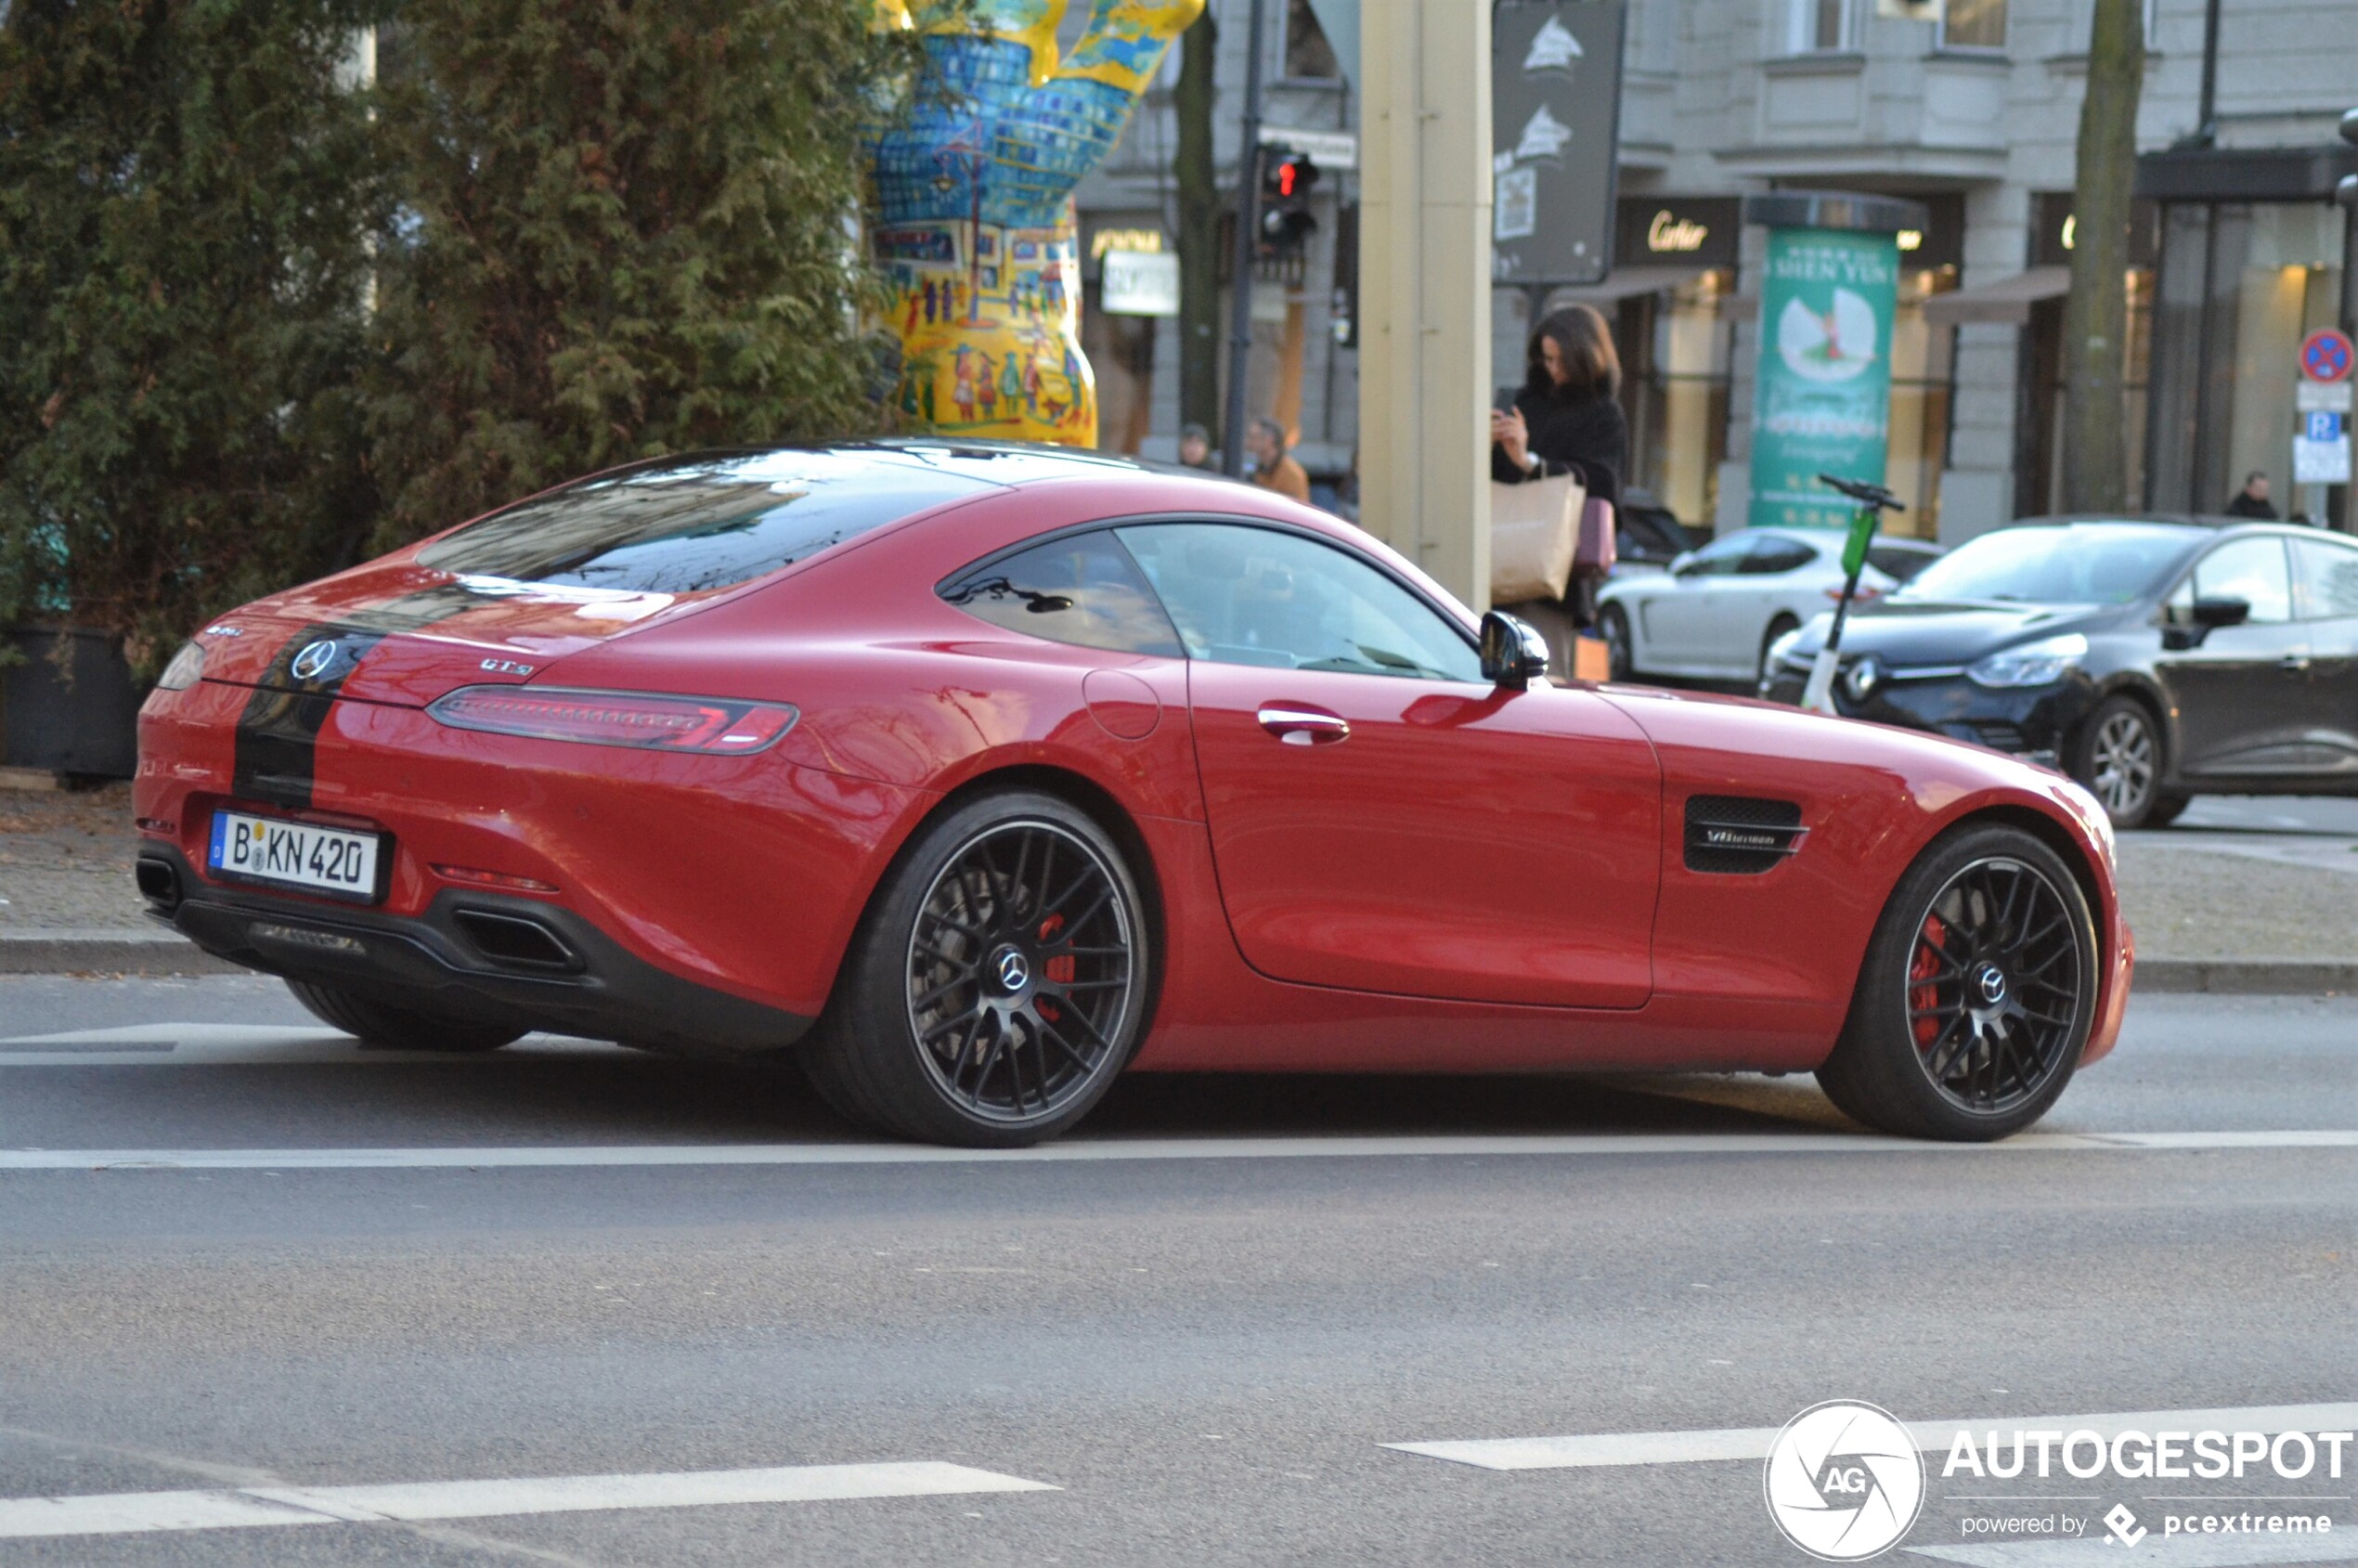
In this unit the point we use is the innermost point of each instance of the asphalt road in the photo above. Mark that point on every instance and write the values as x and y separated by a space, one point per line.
1203 1336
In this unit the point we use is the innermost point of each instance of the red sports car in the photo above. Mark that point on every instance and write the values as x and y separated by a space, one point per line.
973 775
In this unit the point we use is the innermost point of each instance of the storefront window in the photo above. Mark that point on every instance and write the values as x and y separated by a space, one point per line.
1923 376
1675 347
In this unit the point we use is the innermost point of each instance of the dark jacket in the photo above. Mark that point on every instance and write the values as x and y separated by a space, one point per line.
2244 505
1588 436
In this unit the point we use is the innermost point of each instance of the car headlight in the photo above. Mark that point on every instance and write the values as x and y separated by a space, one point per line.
2033 664
185 671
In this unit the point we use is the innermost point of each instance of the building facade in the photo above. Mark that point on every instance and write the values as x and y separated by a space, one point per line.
2238 251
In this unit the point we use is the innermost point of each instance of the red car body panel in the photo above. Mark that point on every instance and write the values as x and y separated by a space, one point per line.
1476 881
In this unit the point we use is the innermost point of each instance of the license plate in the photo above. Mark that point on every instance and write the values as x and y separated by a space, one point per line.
287 854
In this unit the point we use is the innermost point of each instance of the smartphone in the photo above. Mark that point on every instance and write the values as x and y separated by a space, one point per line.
1503 400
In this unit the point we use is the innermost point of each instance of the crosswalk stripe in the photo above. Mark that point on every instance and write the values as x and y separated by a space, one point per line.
1752 1443
146 1513
516 1157
195 1045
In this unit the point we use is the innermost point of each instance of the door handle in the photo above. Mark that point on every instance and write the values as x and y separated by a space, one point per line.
2293 663
1303 726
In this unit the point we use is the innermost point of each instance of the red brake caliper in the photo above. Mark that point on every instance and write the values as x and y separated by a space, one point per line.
1059 969
1923 994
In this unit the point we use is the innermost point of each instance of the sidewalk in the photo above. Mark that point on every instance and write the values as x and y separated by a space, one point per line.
2209 916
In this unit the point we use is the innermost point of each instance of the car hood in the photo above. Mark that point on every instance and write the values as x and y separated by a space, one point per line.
1906 634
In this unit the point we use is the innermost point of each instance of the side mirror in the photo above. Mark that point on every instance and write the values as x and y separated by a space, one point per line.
1513 652
2211 613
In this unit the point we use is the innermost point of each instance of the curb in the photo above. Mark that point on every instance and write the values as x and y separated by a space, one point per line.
108 951
2247 976
138 951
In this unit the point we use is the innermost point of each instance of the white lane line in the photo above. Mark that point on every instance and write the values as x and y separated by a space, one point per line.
196 1044
564 1155
2175 1551
1752 1443
124 1513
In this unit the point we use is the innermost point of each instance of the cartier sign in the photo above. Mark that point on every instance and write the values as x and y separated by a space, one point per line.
1658 230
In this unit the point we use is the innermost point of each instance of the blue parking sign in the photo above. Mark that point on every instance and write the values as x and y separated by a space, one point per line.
2323 425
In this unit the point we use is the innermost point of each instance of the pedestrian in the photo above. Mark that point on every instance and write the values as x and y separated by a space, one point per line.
1195 445
2252 499
1272 468
1567 419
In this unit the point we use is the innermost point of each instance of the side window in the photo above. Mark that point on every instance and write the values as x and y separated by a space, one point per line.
1260 596
1721 558
2251 570
2329 577
1081 589
1771 556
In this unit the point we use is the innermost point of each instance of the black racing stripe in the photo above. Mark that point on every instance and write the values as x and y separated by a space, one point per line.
415 612
278 733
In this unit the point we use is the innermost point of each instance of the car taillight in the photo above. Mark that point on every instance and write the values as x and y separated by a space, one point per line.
1865 593
626 718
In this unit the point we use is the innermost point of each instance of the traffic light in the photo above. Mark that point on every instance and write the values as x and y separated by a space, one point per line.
1285 181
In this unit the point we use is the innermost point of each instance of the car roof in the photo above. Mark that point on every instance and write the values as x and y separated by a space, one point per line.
2135 519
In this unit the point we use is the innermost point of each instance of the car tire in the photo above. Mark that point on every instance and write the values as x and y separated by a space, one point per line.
2167 808
399 1028
2117 758
999 982
1933 1048
1778 627
1612 626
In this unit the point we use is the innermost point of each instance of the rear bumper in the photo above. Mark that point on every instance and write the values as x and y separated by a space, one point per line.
521 961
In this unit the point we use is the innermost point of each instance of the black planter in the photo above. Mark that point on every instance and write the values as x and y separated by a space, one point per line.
77 714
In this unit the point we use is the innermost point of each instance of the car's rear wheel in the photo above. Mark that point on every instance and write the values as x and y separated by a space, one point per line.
997 984
1977 993
1612 625
398 1029
2117 758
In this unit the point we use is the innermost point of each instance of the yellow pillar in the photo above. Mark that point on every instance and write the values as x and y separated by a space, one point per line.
1424 286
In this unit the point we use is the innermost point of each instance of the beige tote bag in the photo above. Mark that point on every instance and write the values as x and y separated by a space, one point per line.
1535 529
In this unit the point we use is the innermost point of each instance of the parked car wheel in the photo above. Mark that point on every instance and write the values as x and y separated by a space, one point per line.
1977 994
2117 758
398 1029
1777 628
998 985
1612 625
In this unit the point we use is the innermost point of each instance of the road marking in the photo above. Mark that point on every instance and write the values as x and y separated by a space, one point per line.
514 1157
1752 1443
2176 1551
123 1513
192 1044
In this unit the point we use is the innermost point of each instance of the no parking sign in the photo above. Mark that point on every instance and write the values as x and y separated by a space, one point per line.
2321 448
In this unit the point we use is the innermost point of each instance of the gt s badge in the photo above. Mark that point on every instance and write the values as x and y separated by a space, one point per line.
506 667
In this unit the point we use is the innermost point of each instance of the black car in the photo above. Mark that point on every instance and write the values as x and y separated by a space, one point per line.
2152 659
1647 533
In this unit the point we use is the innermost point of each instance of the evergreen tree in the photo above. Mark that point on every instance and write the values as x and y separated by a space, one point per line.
186 187
626 231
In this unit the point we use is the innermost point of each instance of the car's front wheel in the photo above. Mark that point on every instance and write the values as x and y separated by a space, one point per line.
398 1029
1977 995
999 983
1612 625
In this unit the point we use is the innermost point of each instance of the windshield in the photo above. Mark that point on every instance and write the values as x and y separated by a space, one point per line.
2073 563
701 523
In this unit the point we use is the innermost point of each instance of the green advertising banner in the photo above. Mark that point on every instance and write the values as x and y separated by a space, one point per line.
1823 403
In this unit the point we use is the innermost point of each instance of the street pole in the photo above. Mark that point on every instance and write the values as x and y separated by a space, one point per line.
2346 192
1232 450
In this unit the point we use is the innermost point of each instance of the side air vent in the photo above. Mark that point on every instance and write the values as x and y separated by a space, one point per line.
515 943
1739 835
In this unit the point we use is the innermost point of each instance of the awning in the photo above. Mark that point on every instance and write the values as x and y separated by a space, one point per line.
2005 303
1626 282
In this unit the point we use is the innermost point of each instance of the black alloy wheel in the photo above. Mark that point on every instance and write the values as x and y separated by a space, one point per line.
2119 760
1979 994
1000 985
1612 625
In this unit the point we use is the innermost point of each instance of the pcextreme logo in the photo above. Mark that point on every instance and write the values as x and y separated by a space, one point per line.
1844 1481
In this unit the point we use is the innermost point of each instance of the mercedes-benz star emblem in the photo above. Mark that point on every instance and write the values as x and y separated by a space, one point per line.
1993 987
313 661
1013 973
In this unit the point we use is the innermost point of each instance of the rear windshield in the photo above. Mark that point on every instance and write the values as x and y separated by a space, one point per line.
698 524
2050 563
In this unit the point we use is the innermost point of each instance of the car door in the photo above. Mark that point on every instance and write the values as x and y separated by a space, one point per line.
2327 573
2242 695
1677 619
1381 818
1780 576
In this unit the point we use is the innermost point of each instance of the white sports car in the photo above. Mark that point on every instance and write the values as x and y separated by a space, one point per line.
1713 615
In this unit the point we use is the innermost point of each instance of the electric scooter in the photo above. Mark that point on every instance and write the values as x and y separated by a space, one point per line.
1873 501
